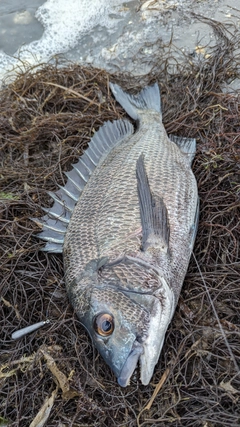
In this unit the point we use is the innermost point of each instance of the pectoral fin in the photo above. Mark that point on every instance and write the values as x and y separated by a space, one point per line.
153 212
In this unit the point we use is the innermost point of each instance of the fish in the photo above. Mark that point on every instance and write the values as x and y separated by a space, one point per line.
126 223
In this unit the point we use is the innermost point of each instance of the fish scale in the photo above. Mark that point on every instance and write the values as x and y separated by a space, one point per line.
127 233
118 190
131 274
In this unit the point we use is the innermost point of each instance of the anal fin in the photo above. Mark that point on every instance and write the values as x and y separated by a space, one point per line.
153 212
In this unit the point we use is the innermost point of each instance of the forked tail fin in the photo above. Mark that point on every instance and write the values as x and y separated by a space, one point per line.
148 99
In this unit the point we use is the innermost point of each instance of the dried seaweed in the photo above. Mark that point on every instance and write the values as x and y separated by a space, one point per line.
47 117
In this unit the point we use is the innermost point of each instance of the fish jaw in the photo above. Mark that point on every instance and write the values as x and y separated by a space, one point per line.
130 364
148 351
161 316
122 358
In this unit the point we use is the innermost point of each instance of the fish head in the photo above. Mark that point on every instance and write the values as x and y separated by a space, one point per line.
128 326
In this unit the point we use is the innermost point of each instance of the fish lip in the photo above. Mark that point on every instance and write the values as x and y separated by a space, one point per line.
130 364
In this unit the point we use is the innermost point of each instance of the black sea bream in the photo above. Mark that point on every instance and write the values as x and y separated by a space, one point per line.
126 223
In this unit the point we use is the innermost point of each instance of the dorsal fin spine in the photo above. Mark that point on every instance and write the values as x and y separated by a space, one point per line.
54 215
87 170
90 158
55 225
53 240
57 200
95 149
57 229
91 153
97 140
74 182
80 173
64 189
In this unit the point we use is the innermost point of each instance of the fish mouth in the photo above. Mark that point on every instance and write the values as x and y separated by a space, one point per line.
148 351
130 364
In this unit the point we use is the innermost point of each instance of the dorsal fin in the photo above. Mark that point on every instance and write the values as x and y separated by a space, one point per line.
186 145
55 223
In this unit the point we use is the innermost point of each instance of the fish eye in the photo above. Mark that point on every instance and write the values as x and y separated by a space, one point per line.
104 324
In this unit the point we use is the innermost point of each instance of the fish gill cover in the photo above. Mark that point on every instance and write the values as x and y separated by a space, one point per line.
53 377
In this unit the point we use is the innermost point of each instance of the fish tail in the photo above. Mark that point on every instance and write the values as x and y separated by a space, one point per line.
148 99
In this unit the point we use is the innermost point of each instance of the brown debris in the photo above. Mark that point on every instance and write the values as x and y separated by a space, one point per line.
47 117
43 415
60 378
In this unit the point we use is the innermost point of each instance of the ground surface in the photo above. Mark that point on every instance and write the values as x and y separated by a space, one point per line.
45 123
109 34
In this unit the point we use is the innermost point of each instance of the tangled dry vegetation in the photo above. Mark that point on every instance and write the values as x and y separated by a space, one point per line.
53 377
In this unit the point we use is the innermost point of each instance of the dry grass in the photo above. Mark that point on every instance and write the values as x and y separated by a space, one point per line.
46 119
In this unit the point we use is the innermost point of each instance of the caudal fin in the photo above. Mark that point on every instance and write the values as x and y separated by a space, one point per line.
148 99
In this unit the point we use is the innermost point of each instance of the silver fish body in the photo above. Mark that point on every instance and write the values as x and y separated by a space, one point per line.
127 221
